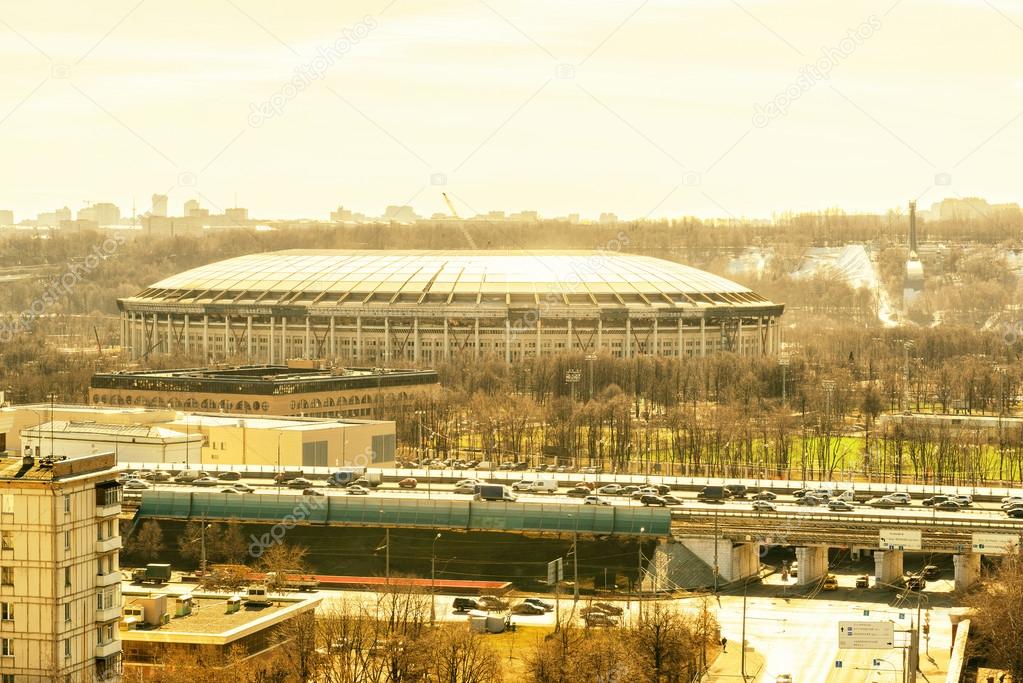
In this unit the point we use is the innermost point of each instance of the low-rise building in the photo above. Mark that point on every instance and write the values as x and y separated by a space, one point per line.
213 630
60 579
135 443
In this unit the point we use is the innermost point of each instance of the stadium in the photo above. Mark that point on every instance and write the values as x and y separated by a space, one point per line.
426 306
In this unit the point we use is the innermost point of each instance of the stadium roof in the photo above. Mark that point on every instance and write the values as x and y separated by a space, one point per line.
336 276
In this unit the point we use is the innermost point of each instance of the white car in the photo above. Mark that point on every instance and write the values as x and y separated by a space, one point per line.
356 490
899 497
610 490
524 485
136 485
595 500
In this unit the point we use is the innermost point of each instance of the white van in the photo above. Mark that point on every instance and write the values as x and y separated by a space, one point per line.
544 486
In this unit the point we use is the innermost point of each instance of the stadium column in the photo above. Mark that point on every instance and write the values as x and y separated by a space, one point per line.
167 342
703 337
761 340
415 339
188 338
653 351
270 348
681 339
600 333
447 348
308 347
205 336
131 336
628 337
539 335
568 346
155 334
476 335
333 341
738 337
228 346
284 339
248 339
507 340
387 338
358 337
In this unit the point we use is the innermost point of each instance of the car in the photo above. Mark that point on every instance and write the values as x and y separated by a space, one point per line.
663 489
628 490
505 466
934 500
650 499
136 485
465 604
963 499
362 481
794 568
545 606
899 497
608 608
765 495
799 493
1015 513
672 500
736 490
810 500
595 500
863 581
311 492
528 608
840 506
523 485
609 490
229 476
593 618
915 582
931 571
492 602
243 488
764 506
1011 506
300 483
882 502
830 583
578 492
408 483
520 466
467 489
159 476
230 490
356 490
1013 499
783 678
948 506
206 481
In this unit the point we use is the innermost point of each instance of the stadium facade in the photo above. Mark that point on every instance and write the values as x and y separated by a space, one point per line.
426 306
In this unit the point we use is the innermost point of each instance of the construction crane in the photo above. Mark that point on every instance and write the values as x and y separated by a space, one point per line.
451 206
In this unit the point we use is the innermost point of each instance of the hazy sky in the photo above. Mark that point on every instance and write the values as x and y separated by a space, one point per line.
642 108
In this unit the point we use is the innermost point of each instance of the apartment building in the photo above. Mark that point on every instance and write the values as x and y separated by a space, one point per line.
60 580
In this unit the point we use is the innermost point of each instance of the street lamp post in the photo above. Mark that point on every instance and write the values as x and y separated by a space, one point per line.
639 573
783 361
433 579
590 358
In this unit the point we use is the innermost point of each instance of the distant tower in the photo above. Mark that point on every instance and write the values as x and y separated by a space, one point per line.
159 207
912 228
191 206
913 284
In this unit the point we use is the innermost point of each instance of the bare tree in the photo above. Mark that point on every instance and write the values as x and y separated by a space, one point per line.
452 653
996 633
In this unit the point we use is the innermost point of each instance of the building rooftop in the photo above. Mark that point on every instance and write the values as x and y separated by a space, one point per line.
137 431
210 622
282 423
55 469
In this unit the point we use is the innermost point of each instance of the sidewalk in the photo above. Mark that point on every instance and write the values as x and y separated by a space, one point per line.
727 668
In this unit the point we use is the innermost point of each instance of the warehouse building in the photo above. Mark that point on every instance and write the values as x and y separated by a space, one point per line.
428 306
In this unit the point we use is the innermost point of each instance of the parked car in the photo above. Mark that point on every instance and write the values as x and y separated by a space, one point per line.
356 490
650 499
595 500
764 506
608 608
408 483
593 619
545 606
1012 499
840 506
300 483
528 608
931 571
492 602
663 489
830 583
783 678
229 476
765 495
465 604
863 581
206 481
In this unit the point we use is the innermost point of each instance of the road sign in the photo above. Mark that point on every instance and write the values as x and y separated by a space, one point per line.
900 539
555 572
994 544
865 635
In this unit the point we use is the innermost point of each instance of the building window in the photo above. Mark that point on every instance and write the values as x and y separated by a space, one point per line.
7 504
67 577
6 611
7 540
7 576
7 647
67 540
67 612
67 647
6 678
67 505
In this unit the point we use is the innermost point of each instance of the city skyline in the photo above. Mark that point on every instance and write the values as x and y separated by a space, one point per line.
651 109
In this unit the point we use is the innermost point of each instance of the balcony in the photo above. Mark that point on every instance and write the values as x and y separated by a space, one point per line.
109 509
107 545
107 649
108 614
110 579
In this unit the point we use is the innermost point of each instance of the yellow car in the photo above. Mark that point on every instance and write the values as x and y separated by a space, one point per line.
830 583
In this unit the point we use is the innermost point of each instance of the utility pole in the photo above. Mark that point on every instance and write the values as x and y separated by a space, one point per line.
590 358
575 567
387 557
742 644
433 580
202 549
639 573
715 552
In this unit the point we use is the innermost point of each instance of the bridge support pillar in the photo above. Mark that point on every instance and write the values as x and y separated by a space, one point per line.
733 561
887 565
813 564
967 570
745 560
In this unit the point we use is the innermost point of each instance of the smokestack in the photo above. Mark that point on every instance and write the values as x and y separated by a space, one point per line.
912 227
